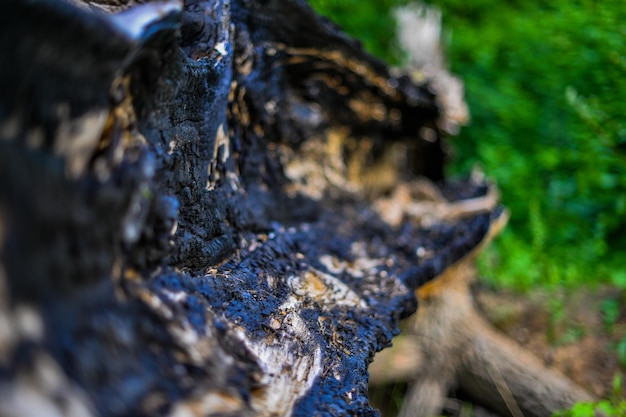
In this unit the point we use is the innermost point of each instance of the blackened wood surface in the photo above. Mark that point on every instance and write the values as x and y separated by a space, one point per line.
186 217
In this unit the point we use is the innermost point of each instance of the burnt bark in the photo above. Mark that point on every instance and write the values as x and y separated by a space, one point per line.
187 223
449 347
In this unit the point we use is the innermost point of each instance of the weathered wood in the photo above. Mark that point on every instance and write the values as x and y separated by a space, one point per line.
186 209
448 346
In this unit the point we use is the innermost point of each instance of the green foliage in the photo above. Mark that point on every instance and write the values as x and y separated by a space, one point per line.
610 313
368 21
546 85
614 407
611 309
589 409
620 349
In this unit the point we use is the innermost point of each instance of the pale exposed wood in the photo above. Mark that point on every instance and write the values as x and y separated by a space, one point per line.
449 345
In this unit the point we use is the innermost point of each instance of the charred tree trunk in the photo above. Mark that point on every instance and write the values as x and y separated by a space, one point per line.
212 207
186 217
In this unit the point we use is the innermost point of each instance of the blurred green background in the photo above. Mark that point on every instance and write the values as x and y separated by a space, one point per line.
546 86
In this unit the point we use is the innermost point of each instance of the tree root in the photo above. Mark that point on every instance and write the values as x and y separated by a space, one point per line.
447 344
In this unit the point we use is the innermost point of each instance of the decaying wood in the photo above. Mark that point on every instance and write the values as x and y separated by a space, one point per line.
213 207
186 209
448 346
